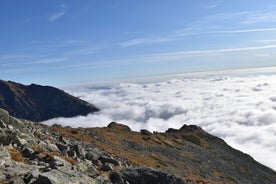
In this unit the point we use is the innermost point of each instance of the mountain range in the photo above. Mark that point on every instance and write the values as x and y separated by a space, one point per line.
39 103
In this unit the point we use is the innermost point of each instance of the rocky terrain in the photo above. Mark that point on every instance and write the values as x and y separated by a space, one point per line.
38 103
33 153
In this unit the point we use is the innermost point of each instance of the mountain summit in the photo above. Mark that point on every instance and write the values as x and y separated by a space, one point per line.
39 103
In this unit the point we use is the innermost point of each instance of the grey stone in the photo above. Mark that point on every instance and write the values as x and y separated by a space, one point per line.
145 132
16 180
148 176
43 180
27 152
106 167
62 147
52 147
93 154
71 153
10 127
79 150
115 177
4 116
2 124
103 179
106 159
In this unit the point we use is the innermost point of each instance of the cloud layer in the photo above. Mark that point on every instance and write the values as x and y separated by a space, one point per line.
241 110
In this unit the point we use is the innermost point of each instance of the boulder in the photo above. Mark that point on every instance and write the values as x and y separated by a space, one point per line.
105 159
149 176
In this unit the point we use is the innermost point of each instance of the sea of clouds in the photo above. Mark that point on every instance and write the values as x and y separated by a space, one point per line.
239 109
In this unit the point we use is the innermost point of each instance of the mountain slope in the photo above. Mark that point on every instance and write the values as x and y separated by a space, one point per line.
188 152
35 153
38 103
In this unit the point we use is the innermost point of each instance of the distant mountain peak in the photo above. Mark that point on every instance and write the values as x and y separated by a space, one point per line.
38 103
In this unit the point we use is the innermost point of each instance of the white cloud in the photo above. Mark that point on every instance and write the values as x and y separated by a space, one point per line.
46 61
140 41
247 30
225 106
57 16
266 41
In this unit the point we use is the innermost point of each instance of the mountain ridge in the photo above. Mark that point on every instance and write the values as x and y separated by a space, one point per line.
38 103
35 153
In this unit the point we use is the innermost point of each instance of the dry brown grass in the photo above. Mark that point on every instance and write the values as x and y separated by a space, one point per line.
15 154
38 148
4 182
67 159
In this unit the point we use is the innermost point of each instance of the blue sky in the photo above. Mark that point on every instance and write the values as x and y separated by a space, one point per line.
74 42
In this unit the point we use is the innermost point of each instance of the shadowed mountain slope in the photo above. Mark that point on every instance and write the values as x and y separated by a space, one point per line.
38 103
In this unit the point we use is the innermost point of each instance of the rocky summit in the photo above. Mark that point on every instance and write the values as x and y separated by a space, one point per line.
39 103
32 153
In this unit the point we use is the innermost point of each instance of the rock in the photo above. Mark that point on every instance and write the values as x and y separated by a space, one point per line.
149 176
19 141
107 167
43 180
27 152
16 180
10 127
117 126
79 150
71 153
105 159
62 147
115 177
93 154
145 132
4 116
2 124
103 179
5 158
52 147
59 162
16 123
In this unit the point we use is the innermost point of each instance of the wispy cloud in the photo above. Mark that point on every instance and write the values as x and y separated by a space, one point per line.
57 16
260 17
47 61
266 41
15 56
238 49
214 5
246 30
177 35
139 41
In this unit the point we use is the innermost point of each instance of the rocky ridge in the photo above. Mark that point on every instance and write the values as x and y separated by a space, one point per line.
33 153
39 103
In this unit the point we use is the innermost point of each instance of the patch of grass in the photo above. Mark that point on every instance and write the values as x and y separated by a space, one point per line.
74 131
178 142
38 148
146 139
192 139
67 159
15 154
167 144
158 142
231 179
159 161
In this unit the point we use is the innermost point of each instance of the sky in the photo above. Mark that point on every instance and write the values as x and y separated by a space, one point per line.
70 42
